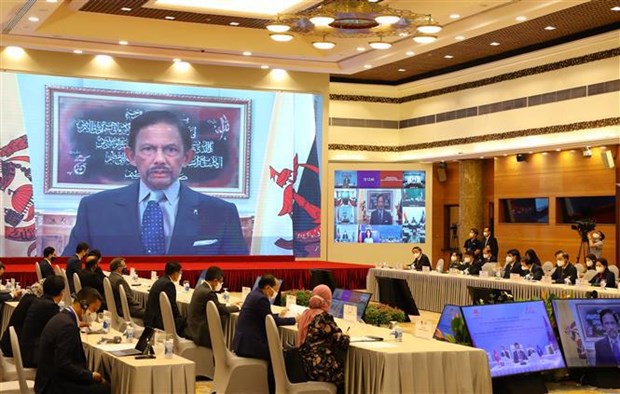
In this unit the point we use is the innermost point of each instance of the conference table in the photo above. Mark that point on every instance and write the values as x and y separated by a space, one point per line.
432 290
129 375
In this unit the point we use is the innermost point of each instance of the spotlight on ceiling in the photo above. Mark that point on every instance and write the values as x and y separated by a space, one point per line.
587 152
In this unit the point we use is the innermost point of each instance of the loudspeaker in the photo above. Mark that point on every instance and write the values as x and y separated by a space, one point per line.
442 175
608 159
520 157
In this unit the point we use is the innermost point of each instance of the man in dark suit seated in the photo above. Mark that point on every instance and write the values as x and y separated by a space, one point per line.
49 255
74 263
250 335
41 311
513 263
62 365
152 313
118 268
159 214
380 215
197 326
18 317
564 270
6 296
419 259
90 278
530 270
608 349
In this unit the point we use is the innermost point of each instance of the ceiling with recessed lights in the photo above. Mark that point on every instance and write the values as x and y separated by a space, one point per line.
211 32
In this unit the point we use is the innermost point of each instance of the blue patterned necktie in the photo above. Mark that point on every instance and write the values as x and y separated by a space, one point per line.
616 350
153 237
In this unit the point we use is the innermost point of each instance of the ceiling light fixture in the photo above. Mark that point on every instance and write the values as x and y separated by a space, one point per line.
123 42
355 19
176 60
449 57
459 38
367 66
616 8
521 18
281 37
78 51
402 70
247 53
494 44
549 28
126 9
33 19
410 53
323 44
264 67
169 17
425 38
454 16
361 49
234 23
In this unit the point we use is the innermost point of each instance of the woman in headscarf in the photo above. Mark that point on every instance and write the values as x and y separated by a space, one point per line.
322 344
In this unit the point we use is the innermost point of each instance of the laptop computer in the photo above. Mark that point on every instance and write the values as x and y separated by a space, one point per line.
141 346
341 297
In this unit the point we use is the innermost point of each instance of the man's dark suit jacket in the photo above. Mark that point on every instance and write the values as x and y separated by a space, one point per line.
41 311
152 314
135 308
536 272
61 356
604 353
110 220
74 265
46 268
17 321
197 326
561 273
374 217
420 262
92 279
251 336
492 243
607 275
472 245
476 267
515 268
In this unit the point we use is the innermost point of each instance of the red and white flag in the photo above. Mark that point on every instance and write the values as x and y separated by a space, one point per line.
17 233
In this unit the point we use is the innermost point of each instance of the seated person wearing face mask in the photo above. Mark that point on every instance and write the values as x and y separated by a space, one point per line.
419 259
513 263
590 260
486 257
456 260
49 256
118 268
531 270
603 274
564 270
468 259
250 334
197 326
152 313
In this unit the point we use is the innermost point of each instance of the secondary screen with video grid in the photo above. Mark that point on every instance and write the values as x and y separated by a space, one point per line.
343 297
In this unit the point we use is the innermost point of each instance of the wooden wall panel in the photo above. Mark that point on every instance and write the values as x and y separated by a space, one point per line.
444 193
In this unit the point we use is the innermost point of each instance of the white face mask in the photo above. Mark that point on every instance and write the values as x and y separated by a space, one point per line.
453 258
508 259
486 235
471 235
416 255
273 297
219 286
600 269
589 263
486 256
596 236
560 263
467 260
61 305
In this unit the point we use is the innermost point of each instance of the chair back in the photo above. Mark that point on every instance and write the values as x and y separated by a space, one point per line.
117 323
439 266
220 352
125 306
68 300
547 267
580 268
57 270
488 267
589 275
614 269
37 268
167 317
17 359
202 277
275 353
77 283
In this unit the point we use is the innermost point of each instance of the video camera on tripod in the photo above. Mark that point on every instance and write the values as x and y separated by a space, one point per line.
583 227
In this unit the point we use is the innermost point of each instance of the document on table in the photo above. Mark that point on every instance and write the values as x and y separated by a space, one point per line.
295 310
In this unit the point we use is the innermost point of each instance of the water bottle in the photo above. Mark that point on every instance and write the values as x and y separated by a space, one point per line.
567 282
107 322
169 348
129 332
226 297
397 332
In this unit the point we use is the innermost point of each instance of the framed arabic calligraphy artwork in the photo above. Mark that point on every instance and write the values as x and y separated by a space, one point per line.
87 131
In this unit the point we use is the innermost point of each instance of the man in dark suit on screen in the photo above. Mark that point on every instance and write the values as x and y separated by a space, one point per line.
158 215
608 349
380 215
62 365
152 313
197 326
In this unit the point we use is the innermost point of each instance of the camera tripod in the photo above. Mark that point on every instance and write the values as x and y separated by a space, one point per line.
454 239
584 249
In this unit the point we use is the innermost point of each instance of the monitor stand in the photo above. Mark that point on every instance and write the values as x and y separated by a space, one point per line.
519 384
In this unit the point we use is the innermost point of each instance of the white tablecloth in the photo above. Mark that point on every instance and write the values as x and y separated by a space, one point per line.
431 291
128 375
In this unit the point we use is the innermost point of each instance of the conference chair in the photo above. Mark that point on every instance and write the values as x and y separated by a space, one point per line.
580 268
233 374
22 385
489 267
67 299
57 270
37 268
202 277
201 355
589 275
439 265
283 385
77 283
614 269
137 323
548 267
117 322
8 369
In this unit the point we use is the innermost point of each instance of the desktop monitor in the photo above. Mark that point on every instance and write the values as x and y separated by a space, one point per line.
322 277
340 297
445 331
587 327
396 293
517 337
275 301
485 295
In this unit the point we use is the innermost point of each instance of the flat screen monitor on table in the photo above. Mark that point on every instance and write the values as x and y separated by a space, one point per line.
444 330
396 293
342 297
517 337
276 300
322 277
588 328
